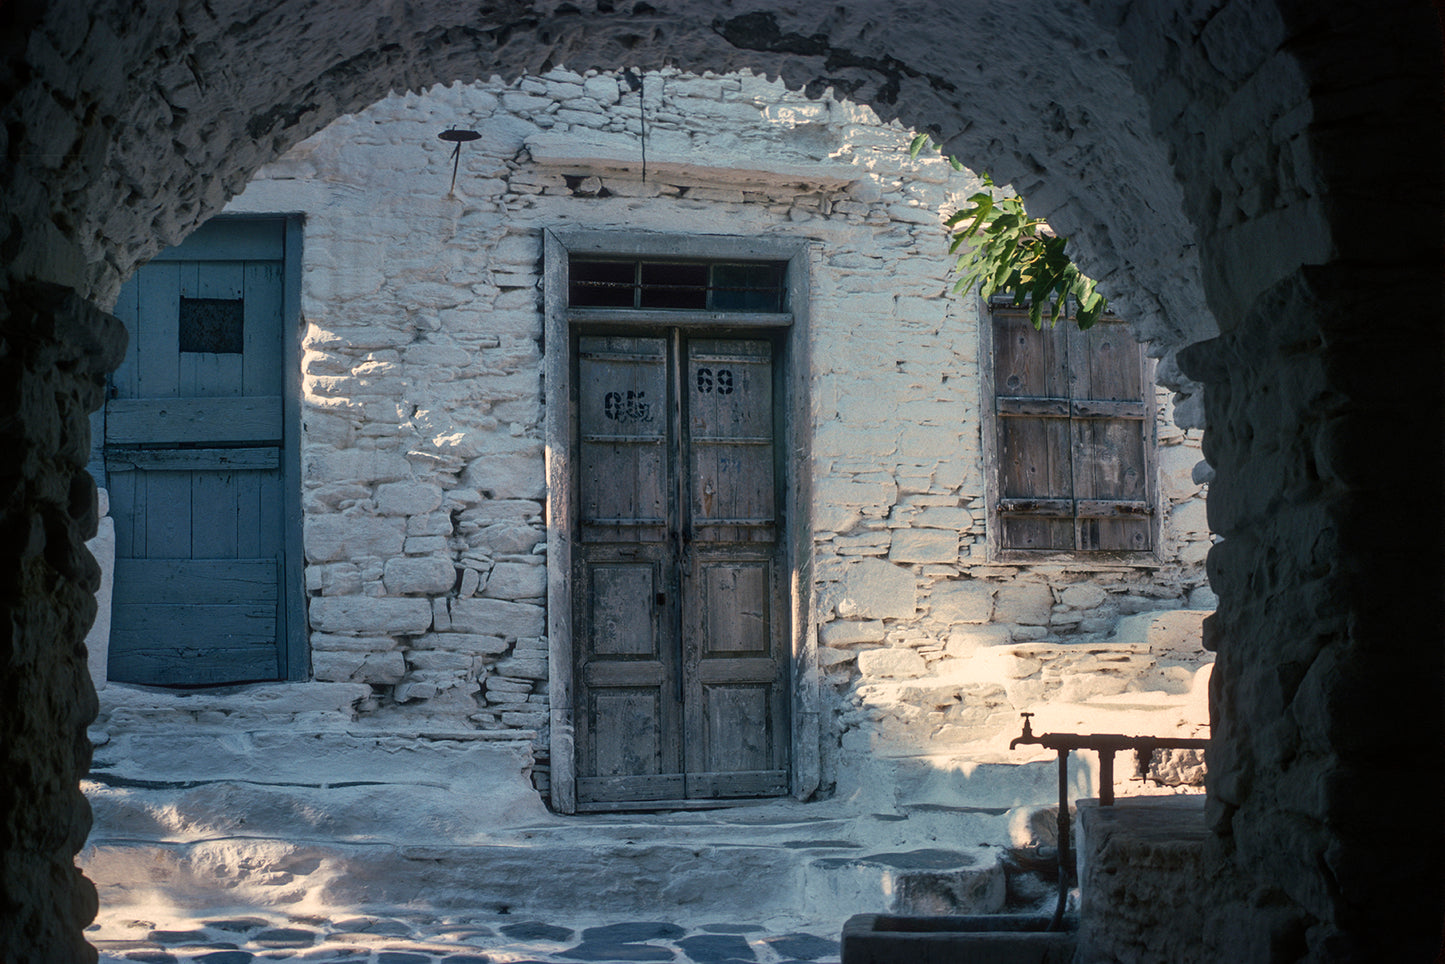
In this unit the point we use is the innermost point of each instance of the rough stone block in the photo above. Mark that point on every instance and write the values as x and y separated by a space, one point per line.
340 666
511 475
409 575
334 579
1081 687
473 643
1023 603
877 589
964 642
1189 518
422 545
435 660
924 545
1082 596
524 668
357 465
408 498
337 537
517 580
1165 631
498 617
370 616
1020 667
506 538
358 644
891 663
962 601
843 632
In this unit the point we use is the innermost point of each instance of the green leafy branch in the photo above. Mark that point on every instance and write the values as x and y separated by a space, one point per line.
1005 250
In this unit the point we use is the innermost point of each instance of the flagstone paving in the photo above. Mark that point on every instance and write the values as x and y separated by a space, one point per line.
406 938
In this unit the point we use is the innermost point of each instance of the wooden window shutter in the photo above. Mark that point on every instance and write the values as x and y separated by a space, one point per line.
1108 420
1072 437
1035 470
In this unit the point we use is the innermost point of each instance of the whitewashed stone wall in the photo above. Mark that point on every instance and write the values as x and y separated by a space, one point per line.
423 412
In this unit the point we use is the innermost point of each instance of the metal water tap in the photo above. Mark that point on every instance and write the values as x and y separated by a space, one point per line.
1027 736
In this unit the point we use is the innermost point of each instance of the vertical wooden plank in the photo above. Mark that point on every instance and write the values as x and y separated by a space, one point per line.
249 501
729 385
213 515
123 379
157 343
221 371
123 510
168 516
1110 455
736 609
1028 363
261 362
271 529
1112 357
188 364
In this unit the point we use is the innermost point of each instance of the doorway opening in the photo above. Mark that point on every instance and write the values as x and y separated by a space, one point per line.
676 597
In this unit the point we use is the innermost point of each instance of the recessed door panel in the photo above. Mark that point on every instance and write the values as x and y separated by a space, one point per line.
623 620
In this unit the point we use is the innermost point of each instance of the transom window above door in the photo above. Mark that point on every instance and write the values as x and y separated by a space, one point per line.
752 286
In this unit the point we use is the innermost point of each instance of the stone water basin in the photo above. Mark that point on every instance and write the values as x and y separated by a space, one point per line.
986 939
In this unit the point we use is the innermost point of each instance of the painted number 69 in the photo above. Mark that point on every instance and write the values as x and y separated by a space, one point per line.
723 380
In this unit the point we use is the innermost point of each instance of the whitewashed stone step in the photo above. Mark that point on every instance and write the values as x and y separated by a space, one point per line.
920 881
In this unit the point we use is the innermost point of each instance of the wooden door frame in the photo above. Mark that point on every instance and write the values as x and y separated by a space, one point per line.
558 245
294 662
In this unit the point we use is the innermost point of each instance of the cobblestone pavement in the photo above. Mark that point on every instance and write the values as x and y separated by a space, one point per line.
415 939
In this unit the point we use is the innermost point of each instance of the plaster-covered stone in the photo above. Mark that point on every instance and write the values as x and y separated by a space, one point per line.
961 601
876 589
891 663
924 545
1025 604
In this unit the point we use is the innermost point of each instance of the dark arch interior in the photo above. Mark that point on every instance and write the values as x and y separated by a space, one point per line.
1211 160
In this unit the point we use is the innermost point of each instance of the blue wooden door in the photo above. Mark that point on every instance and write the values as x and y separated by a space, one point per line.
195 455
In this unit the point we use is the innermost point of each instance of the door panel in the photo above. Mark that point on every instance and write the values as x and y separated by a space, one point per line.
736 599
622 618
729 386
681 666
623 439
194 431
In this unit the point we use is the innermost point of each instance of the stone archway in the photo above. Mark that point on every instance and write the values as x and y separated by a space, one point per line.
1141 131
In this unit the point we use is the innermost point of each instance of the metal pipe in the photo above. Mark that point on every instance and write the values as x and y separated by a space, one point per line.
1063 840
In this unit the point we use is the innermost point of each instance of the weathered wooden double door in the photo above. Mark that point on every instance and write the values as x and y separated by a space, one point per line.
195 456
681 654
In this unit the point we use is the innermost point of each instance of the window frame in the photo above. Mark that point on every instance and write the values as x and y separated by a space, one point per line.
996 551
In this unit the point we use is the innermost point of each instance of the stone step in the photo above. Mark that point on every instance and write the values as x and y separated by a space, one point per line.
288 817
923 881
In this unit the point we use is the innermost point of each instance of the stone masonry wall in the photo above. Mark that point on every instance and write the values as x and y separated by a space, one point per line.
423 415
